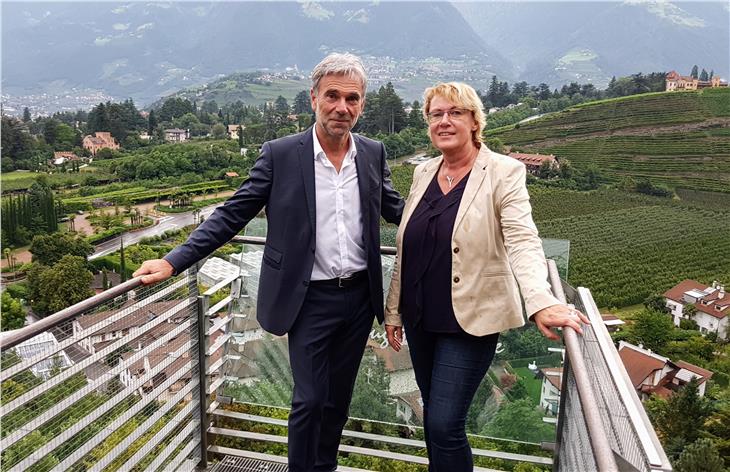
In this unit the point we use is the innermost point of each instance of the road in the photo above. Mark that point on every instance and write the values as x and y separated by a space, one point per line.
166 223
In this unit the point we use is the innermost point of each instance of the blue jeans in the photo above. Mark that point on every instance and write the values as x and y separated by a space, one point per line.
449 369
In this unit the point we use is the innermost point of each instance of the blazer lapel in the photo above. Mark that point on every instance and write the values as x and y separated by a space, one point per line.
476 178
364 169
425 178
306 163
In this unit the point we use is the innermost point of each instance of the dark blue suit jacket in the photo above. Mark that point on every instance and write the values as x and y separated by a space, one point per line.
282 180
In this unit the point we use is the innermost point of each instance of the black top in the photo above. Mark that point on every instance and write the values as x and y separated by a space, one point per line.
426 265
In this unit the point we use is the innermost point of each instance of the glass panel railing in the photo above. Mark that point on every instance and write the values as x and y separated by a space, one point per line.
514 409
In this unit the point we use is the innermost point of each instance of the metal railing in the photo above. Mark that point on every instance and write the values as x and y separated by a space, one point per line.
125 396
141 388
602 424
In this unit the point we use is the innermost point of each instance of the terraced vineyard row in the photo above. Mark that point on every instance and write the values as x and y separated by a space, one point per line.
627 254
552 203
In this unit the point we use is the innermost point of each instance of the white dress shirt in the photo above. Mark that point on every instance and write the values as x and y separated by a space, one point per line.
340 248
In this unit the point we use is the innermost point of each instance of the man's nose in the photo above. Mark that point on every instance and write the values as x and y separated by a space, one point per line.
341 105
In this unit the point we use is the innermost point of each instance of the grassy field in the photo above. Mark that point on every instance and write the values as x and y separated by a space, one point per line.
21 180
532 384
680 139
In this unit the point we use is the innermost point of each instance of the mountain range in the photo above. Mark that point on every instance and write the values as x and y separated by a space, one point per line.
146 50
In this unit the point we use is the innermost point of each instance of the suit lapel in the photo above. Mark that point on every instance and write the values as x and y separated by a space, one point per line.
478 172
306 164
363 166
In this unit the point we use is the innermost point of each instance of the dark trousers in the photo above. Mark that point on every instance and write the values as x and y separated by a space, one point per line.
326 345
448 369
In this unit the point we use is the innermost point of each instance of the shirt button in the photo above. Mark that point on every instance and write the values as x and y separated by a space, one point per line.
456 250
456 280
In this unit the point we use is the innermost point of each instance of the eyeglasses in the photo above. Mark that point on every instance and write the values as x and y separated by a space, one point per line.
454 114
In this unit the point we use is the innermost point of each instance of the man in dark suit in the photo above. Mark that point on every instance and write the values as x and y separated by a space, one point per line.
324 191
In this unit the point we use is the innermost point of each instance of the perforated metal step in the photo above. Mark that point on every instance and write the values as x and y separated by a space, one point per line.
244 464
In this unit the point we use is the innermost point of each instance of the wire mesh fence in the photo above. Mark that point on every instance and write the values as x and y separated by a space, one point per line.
111 388
630 436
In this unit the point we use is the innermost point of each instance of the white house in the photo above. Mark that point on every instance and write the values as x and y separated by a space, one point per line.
712 306
550 391
177 135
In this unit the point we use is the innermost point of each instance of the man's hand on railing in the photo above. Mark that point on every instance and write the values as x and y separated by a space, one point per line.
559 316
395 336
154 270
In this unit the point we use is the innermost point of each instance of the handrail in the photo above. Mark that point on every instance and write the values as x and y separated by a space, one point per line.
655 455
10 339
259 241
602 451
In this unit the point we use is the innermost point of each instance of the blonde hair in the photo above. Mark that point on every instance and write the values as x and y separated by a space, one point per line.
461 95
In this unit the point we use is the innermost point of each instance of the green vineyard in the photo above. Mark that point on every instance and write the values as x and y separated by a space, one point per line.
678 139
624 247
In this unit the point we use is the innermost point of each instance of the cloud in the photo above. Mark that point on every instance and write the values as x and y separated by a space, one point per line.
316 11
102 41
360 15
120 26
145 26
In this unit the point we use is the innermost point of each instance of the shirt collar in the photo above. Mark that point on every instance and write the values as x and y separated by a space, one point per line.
318 151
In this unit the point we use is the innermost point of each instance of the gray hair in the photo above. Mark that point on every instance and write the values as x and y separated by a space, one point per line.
339 64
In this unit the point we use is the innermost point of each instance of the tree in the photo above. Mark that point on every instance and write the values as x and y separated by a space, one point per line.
49 249
54 288
13 316
496 145
151 123
302 103
679 419
122 262
415 117
700 456
26 115
704 76
281 106
652 329
655 302
519 420
218 131
694 73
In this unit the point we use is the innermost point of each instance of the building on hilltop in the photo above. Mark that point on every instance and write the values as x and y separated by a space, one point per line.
533 162
675 81
712 306
651 373
100 140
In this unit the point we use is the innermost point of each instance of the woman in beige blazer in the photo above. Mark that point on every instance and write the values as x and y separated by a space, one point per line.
466 235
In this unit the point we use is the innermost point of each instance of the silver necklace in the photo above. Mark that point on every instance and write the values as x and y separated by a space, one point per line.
450 180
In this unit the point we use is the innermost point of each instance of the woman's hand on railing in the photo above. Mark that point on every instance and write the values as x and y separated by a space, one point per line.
395 336
558 316
154 270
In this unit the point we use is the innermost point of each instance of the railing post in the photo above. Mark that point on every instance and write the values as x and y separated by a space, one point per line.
202 308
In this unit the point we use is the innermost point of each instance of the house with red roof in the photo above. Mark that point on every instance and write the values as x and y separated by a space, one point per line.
651 373
100 140
712 304
533 162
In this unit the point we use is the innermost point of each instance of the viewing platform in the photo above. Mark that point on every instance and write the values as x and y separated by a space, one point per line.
180 376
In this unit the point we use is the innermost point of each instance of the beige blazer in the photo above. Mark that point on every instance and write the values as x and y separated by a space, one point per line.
494 242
